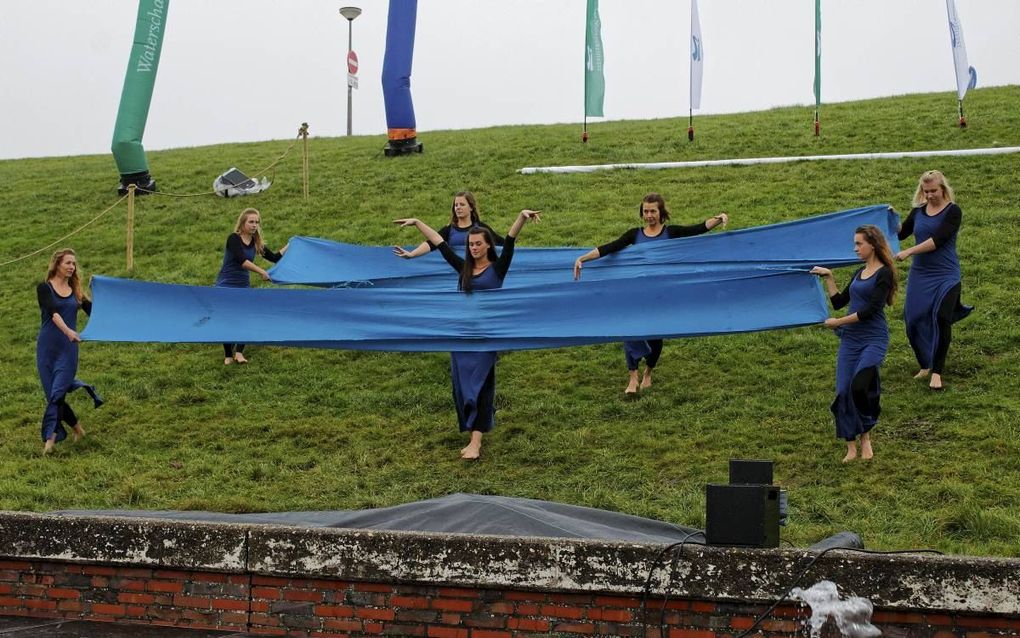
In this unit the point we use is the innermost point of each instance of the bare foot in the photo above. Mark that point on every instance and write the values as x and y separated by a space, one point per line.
632 385
48 446
227 361
474 448
936 382
851 452
646 380
238 357
866 451
922 373
77 432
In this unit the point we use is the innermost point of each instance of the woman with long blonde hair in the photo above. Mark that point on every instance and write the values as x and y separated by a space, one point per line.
863 338
56 353
239 262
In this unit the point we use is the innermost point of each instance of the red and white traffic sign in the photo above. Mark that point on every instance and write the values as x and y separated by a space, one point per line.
352 62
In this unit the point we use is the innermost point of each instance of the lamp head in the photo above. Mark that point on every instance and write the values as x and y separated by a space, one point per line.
350 12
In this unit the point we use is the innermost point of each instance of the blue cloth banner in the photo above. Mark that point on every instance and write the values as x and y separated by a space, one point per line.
821 240
409 320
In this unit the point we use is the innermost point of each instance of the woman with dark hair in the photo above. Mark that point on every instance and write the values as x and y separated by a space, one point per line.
474 373
863 338
932 304
463 217
654 214
56 351
239 261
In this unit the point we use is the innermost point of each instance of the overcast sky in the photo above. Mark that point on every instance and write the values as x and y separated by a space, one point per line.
243 70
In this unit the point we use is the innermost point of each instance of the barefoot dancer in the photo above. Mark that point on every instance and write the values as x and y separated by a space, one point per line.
474 373
933 287
863 338
654 214
56 352
238 260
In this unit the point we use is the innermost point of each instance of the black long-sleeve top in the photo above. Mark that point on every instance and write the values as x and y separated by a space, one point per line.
235 246
501 265
444 232
950 224
44 292
630 237
878 298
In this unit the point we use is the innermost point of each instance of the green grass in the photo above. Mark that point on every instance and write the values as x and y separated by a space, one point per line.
315 429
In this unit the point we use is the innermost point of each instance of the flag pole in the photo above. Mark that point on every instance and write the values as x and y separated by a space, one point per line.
690 127
818 62
963 119
584 135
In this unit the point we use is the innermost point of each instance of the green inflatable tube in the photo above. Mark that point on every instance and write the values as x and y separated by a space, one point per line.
137 96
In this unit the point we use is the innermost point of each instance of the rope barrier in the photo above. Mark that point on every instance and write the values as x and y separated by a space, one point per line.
70 234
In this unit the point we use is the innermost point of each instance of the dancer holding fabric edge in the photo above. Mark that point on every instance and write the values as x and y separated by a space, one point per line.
238 261
932 304
463 217
863 338
56 353
474 373
654 214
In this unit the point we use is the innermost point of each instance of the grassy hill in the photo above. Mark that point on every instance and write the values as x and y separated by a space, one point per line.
315 429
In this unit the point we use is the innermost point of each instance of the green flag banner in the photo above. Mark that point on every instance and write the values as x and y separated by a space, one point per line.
818 55
137 93
594 80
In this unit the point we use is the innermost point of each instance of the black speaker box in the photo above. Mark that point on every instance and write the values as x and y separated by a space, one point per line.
742 515
750 472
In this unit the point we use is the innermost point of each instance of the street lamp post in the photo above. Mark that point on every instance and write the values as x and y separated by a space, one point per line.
349 13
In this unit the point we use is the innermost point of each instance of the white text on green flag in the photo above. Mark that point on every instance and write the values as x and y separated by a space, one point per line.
594 80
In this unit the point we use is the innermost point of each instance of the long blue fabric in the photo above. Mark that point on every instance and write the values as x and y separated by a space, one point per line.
410 320
825 240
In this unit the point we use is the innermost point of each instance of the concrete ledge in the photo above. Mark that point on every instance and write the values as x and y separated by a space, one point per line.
960 584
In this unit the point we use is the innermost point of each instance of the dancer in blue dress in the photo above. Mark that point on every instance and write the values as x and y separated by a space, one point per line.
239 261
474 373
933 302
654 214
463 217
56 352
863 338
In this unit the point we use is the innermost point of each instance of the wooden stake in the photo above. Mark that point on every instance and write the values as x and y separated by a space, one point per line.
303 132
131 228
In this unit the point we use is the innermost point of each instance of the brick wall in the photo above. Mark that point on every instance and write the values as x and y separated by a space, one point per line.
271 580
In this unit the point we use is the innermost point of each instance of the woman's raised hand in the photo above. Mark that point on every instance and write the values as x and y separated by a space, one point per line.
821 272
407 221
531 215
400 251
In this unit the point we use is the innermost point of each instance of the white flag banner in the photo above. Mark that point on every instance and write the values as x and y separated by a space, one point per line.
965 76
697 56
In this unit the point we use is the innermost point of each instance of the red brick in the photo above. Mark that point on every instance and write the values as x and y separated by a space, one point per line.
341 625
741 623
15 565
675 604
411 602
45 580
70 605
6 589
690 633
108 610
527 609
234 619
33 603
133 572
373 628
98 570
334 611
450 619
562 612
611 615
269 620
273 631
939 619
374 614
617 601
171 574
528 624
985 622
452 604
302 595
259 605
35 591
164 586
373 587
701 605
10 575
488 633
226 603
945 634
269 593
459 592
791 626
574 628
204 577
502 608
136 611
128 584
523 595
271 581
446 632
56 592
194 602
331 585
136 599
571 599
